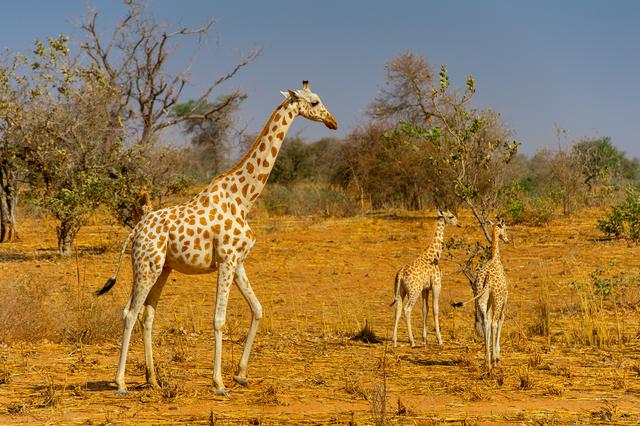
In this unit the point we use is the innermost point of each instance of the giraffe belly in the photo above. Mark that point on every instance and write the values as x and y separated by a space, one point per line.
190 268
191 258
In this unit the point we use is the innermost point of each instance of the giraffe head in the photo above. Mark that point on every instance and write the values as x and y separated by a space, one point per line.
310 106
500 230
448 217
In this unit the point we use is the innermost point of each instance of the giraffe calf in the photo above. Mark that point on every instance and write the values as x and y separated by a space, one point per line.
490 296
419 278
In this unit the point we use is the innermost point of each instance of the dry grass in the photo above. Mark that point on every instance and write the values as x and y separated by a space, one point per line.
318 280
50 394
378 404
355 389
31 311
525 379
553 390
268 395
608 412
541 325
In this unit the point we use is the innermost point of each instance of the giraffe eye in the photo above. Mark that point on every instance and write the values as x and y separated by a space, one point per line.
315 103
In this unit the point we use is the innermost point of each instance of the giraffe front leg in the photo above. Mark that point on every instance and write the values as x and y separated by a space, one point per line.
436 309
425 314
256 315
225 279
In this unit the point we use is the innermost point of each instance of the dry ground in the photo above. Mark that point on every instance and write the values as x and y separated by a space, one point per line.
319 282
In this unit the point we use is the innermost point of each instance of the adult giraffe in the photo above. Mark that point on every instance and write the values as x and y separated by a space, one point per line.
209 233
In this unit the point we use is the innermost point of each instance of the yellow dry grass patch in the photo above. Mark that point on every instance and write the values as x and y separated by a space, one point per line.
568 356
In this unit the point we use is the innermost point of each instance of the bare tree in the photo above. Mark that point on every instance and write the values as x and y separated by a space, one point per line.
134 59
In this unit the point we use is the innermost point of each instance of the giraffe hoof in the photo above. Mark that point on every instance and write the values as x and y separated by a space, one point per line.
242 381
222 392
122 392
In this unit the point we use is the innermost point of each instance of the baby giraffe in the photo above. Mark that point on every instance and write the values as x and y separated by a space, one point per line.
490 296
418 277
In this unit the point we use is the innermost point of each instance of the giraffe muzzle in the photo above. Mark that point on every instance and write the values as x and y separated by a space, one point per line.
330 122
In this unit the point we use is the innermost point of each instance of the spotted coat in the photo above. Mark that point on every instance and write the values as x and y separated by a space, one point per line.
419 278
210 233
491 292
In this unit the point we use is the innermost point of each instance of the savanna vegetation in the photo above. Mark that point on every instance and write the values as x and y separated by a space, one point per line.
83 139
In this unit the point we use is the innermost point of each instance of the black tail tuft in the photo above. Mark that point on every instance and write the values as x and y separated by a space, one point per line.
457 304
108 285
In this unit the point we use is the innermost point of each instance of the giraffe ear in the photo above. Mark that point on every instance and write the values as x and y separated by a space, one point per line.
290 94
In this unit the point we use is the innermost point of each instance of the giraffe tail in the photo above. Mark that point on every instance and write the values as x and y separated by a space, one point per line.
461 304
112 280
396 288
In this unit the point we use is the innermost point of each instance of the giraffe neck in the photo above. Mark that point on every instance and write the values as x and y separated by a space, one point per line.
495 249
435 250
250 174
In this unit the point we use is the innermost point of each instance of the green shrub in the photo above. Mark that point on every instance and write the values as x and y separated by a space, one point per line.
624 220
603 284
520 206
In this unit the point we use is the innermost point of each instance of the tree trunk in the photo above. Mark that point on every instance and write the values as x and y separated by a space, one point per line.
8 202
67 231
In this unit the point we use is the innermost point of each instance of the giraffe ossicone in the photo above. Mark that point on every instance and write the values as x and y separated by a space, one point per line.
419 278
209 233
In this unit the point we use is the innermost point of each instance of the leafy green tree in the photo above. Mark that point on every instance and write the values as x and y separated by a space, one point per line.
71 138
599 160
12 105
293 162
624 219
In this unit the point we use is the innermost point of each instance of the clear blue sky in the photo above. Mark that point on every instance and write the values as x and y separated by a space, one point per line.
571 63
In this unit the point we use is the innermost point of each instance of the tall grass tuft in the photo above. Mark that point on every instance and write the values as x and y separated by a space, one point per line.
32 311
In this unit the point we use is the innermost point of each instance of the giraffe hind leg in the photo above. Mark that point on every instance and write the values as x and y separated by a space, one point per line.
408 308
256 315
142 282
398 314
149 314
499 321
